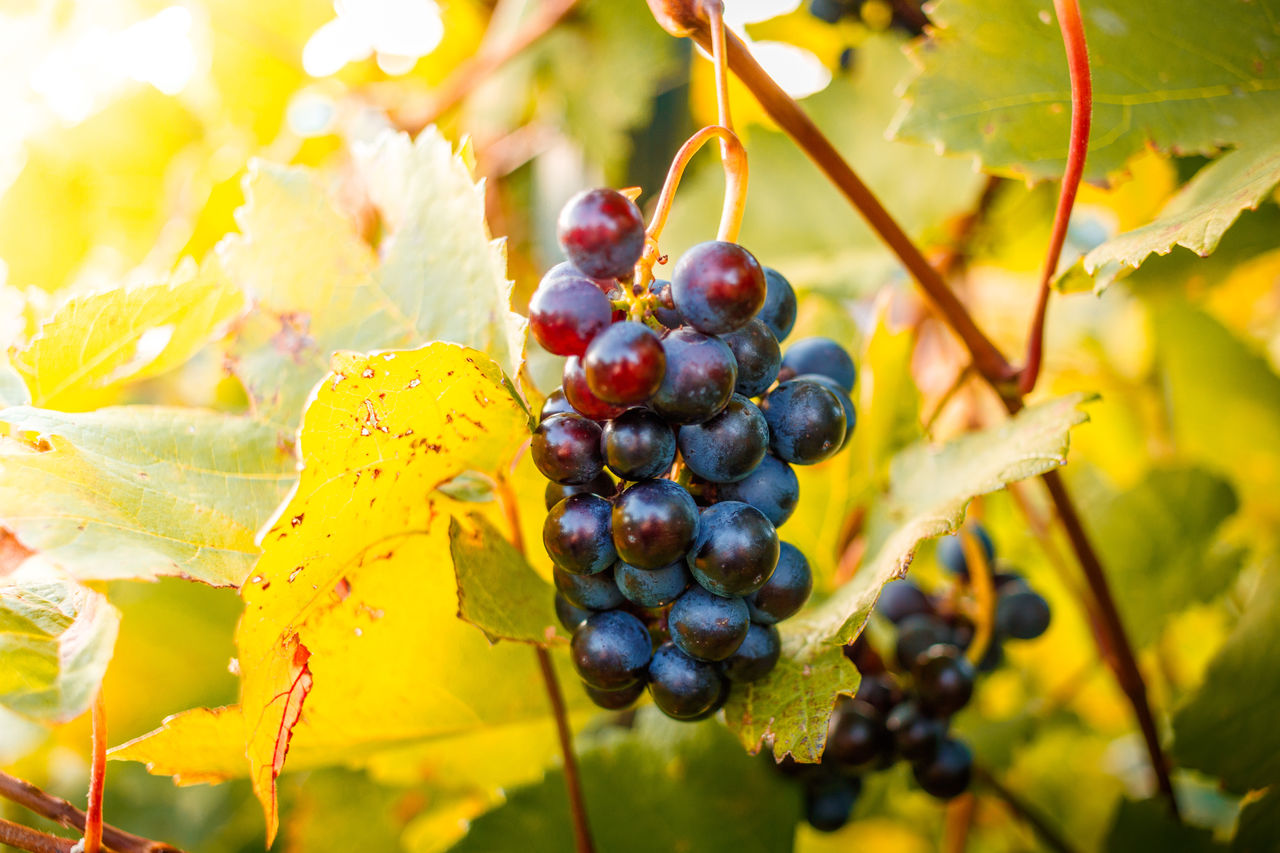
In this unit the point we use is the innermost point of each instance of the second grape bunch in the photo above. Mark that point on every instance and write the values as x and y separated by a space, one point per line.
669 447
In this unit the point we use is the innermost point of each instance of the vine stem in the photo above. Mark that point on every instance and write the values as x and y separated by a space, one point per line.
97 776
1068 13
32 840
957 823
572 781
64 814
984 594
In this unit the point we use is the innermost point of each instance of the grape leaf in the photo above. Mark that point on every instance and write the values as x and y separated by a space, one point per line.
1157 542
202 746
13 391
56 639
929 490
1259 825
1196 217
141 491
664 785
97 341
1147 825
320 288
1178 74
498 591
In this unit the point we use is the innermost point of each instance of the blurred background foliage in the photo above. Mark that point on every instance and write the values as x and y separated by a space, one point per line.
129 128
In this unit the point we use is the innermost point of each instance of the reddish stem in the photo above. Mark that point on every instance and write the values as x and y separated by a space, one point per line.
32 840
97 776
64 814
1081 118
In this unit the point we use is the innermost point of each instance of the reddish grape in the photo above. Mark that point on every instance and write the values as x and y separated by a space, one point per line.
567 314
625 363
718 287
602 232
581 397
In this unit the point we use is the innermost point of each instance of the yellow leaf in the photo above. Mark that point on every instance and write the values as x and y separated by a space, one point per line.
98 341
203 746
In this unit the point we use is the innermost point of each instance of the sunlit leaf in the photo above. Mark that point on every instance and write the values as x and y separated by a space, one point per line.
497 590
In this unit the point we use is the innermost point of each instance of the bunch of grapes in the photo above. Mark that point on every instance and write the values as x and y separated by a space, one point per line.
904 703
905 15
672 576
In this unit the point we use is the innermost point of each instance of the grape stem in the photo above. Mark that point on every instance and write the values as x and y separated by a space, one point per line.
957 823
97 776
24 838
63 813
1068 13
984 594
682 18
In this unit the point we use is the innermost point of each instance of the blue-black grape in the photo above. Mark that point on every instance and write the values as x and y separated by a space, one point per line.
652 587
602 485
611 650
701 373
757 655
729 446
707 626
879 691
664 308
602 232
943 679
850 413
717 287
736 550
900 599
577 535
681 686
829 801
806 422
756 351
916 735
787 589
1021 613
916 634
555 404
772 488
638 445
819 355
654 523
615 700
947 774
951 550
570 614
779 309
589 592
856 735
566 449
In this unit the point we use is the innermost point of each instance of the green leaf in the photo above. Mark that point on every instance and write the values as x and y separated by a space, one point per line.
1196 217
56 639
1259 825
498 591
1147 825
1158 543
438 275
141 491
664 785
929 489
1182 75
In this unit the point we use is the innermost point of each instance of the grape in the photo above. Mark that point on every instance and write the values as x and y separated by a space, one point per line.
570 614
787 589
757 655
916 634
608 286
625 363
582 398
880 692
638 445
829 801
701 373
900 599
819 355
736 550
577 535
951 550
555 404
566 449
602 485
850 413
717 287
759 358
856 735
611 650
771 488
915 734
707 626
664 308
567 314
729 446
806 422
682 687
589 592
602 232
779 309
943 679
1021 613
615 700
716 705
654 523
652 587
947 774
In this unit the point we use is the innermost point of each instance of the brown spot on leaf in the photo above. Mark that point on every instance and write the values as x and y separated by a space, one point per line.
297 519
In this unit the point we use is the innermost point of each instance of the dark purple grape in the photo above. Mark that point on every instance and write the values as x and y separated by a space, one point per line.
916 634
736 550
718 287
566 449
602 485
725 687
654 523
566 315
577 535
701 373
570 614
608 286
900 599
1021 613
602 232
652 587
757 655
638 445
806 422
916 735
787 589
625 363
947 775
850 413
611 650
707 626
829 801
879 691
772 488
615 700
943 679
681 686
758 356
555 404
664 308
582 398
779 309
951 550
819 355
589 592
856 735
729 446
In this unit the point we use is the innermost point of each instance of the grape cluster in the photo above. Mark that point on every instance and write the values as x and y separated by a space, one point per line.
904 702
672 575
905 15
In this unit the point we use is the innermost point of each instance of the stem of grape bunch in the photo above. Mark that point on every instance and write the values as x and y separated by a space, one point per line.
63 813
97 776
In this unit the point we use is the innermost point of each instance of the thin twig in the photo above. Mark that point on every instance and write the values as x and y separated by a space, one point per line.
32 840
1050 836
984 593
64 814
1069 22
957 823
97 776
